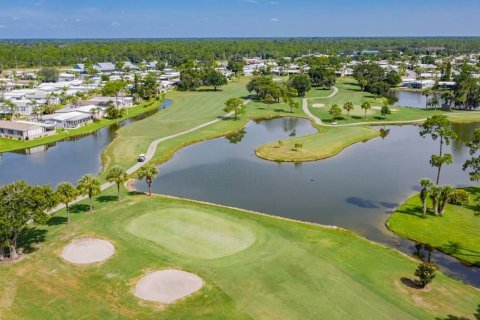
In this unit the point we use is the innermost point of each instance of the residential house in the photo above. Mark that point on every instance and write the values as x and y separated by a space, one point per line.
24 130
105 67
69 120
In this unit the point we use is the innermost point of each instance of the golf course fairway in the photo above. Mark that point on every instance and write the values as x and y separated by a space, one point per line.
267 268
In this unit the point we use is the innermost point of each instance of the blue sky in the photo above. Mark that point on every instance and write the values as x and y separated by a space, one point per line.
236 18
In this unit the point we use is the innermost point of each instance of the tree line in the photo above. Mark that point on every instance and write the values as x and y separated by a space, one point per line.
33 53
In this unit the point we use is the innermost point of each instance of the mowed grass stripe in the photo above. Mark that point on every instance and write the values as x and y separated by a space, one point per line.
291 271
193 233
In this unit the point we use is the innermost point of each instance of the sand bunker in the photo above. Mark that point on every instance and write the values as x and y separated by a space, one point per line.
167 286
88 250
318 105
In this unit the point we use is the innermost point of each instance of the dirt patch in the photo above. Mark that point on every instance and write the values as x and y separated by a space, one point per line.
167 286
88 251
318 105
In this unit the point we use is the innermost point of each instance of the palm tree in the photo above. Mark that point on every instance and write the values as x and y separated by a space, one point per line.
435 194
74 100
89 185
119 176
348 106
10 107
366 106
425 184
148 171
445 193
427 93
66 193
33 104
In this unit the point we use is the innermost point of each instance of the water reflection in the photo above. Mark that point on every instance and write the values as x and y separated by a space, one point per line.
236 137
356 190
65 160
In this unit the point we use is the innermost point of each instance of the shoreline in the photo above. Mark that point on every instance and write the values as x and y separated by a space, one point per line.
84 130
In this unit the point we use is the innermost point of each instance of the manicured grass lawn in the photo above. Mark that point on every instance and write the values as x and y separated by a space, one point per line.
456 233
350 91
290 271
12 144
189 109
327 143
192 233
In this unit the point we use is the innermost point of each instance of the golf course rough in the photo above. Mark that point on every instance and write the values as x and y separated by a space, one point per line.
192 232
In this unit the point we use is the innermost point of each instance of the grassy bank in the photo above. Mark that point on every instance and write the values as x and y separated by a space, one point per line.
456 233
327 143
349 90
189 109
12 144
254 267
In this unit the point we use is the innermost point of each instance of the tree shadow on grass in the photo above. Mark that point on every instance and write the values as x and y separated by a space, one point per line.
79 208
357 117
409 283
135 193
106 198
28 239
456 248
208 90
56 220
411 210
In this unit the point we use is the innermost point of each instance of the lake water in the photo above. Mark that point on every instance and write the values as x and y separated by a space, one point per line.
65 160
356 189
413 99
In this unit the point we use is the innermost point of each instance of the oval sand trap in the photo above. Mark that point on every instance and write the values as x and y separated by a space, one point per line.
192 232
167 286
88 250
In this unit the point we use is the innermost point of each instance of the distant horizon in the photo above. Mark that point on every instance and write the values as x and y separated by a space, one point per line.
249 37
146 19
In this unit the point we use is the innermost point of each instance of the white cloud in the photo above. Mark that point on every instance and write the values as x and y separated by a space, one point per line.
115 23
3 26
274 19
273 2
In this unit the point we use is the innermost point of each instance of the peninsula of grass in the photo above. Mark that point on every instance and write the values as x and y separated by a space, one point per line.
349 90
327 143
456 233
189 109
194 108
13 144
253 266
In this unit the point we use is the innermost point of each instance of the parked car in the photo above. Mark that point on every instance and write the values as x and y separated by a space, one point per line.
141 158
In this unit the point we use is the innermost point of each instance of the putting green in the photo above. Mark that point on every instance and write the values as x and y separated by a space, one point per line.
193 233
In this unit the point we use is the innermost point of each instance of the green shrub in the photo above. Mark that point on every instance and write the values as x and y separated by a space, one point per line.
425 273
459 197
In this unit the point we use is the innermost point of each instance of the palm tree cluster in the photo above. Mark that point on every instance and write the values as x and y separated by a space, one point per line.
439 196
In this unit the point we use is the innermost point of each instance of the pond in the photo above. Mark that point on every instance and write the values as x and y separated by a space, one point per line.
407 98
356 189
65 160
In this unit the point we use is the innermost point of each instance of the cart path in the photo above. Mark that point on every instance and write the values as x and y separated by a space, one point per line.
319 121
151 152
